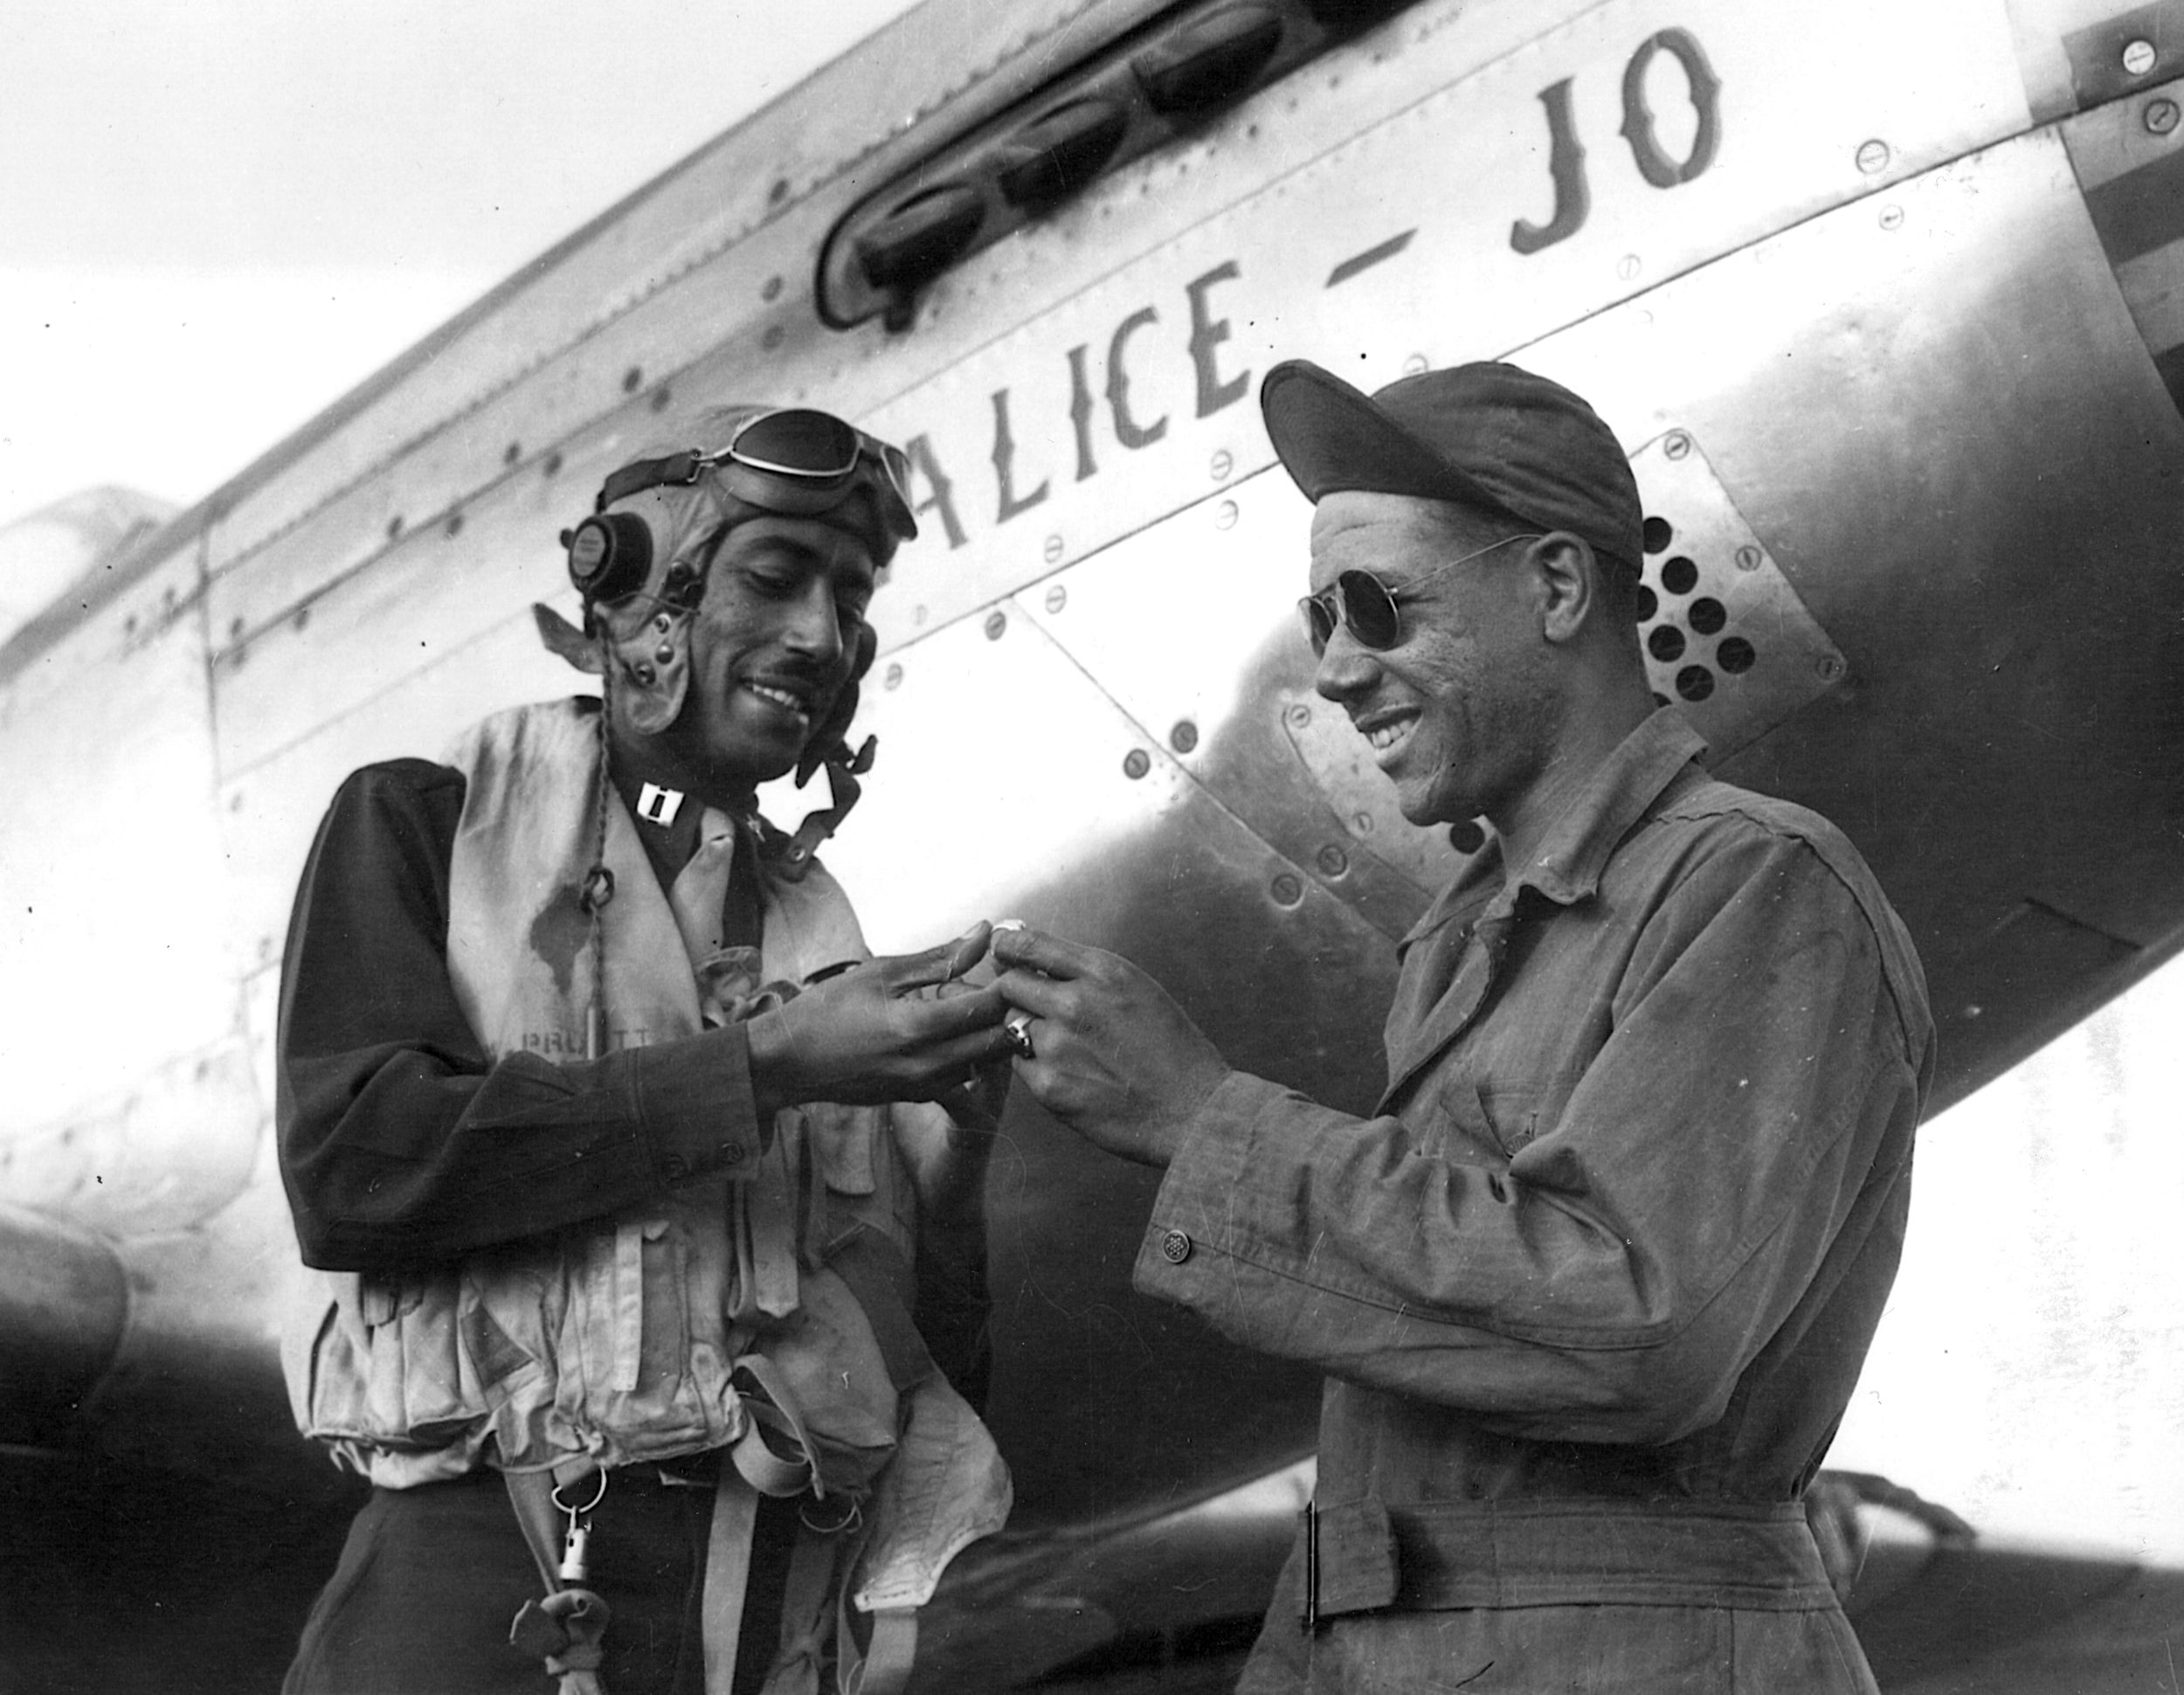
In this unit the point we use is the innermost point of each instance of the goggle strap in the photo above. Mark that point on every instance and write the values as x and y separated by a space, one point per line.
681 468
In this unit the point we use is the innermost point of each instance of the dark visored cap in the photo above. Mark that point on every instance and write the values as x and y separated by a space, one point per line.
1486 434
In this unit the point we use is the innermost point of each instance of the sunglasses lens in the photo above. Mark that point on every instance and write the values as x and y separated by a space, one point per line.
799 442
1319 621
1368 609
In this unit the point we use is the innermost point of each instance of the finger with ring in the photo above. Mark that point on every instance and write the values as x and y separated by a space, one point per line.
1018 1025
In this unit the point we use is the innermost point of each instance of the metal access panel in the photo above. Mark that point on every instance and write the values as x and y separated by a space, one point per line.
1725 636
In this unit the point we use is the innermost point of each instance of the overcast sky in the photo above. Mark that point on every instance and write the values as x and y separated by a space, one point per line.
215 218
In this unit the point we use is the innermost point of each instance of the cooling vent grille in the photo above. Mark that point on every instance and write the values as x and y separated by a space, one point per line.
1725 636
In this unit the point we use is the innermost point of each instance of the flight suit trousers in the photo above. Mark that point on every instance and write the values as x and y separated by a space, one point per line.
432 1577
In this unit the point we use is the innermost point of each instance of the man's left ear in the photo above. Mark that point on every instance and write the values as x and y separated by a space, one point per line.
1569 584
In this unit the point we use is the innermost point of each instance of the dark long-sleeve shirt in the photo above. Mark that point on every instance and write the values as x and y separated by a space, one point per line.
403 1142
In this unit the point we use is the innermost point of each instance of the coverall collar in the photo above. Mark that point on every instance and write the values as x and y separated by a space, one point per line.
1577 845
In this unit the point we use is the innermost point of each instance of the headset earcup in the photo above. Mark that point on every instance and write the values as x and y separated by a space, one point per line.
610 556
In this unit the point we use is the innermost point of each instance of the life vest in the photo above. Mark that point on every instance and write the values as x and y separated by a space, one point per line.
686 1324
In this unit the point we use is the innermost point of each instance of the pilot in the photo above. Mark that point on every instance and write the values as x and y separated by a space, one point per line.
1593 1284
648 1207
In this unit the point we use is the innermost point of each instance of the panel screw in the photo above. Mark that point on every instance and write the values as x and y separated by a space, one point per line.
1362 823
773 336
995 623
1057 598
919 614
1184 736
1891 218
1298 716
1136 763
894 677
2138 57
1748 557
1626 266
772 290
1415 365
1225 515
1053 550
1873 157
1830 668
1288 889
1678 445
1222 465
2160 116
1332 860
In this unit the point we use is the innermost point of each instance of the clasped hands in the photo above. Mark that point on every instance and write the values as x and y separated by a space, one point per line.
1111 1054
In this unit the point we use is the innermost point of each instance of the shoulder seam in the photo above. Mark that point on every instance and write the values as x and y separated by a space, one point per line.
1791 829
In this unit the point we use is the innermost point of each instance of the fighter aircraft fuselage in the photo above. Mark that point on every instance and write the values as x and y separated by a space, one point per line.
1882 302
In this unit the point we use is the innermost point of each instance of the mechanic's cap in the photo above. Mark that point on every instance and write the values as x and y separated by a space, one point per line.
1486 434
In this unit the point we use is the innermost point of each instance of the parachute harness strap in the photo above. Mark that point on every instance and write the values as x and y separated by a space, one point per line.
598 881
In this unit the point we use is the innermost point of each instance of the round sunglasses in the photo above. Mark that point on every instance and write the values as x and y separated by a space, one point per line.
1368 608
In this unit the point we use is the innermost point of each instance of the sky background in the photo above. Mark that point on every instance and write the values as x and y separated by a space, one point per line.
215 219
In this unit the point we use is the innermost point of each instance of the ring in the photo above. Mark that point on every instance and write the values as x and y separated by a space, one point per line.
1018 1025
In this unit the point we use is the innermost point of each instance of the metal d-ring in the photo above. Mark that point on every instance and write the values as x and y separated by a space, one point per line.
597 1495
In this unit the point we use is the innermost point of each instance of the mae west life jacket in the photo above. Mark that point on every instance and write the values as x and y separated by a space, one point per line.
666 1330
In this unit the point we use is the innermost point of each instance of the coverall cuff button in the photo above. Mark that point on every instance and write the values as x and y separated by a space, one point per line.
674 1168
1175 1247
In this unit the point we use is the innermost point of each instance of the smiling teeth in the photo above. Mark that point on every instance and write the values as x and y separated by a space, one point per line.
779 697
1386 736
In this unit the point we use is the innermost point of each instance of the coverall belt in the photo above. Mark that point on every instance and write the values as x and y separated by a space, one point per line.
1433 1556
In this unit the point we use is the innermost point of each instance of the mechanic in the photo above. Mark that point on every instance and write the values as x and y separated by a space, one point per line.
1592 1286
649 1206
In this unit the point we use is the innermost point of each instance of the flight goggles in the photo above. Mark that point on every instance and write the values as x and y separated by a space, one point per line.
792 460
1368 608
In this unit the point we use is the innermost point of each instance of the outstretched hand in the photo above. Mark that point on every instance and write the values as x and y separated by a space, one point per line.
867 1036
1114 1057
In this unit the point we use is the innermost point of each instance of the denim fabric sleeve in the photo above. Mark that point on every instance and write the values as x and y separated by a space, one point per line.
1609 1275
401 1141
